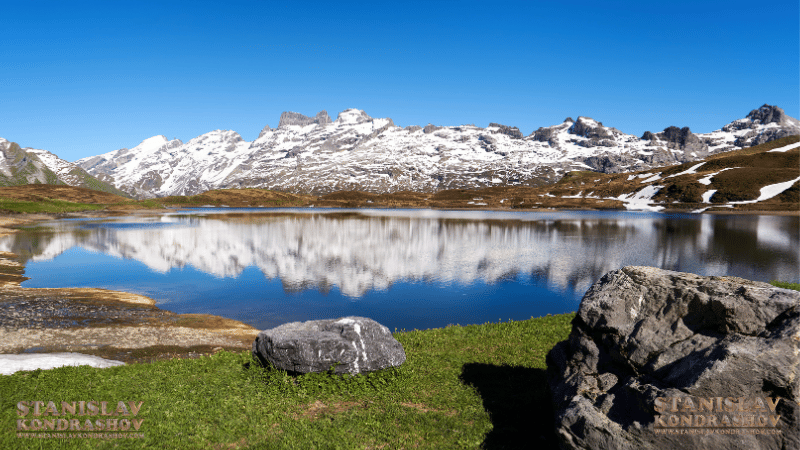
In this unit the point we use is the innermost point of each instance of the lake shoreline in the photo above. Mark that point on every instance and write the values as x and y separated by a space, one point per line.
111 324
184 335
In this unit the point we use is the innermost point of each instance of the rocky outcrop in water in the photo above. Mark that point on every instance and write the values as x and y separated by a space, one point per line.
349 345
653 355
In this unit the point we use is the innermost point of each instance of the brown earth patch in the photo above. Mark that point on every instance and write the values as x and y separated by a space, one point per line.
240 198
231 445
317 409
423 408
38 192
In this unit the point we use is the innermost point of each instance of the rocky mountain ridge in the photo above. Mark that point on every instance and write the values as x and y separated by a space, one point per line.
318 155
357 152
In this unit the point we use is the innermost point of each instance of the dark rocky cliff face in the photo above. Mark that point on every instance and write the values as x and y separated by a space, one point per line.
509 131
586 129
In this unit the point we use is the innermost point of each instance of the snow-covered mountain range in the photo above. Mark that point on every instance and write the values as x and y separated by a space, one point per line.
356 152
318 155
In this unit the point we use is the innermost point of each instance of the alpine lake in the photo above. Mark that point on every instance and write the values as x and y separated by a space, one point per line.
405 268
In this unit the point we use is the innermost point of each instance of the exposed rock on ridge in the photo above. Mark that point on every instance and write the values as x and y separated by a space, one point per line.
508 131
293 118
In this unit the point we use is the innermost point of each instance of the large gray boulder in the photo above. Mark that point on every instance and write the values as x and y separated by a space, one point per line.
353 344
645 340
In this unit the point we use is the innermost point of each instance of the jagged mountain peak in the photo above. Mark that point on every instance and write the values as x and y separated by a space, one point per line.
513 132
589 121
151 145
289 118
154 142
590 128
767 114
352 116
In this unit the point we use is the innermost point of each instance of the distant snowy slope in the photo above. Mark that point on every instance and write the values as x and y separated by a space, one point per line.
20 166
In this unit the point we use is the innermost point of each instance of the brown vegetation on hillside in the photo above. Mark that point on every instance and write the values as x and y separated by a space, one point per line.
38 192
239 198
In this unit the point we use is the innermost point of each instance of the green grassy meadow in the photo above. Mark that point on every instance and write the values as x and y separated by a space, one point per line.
45 206
460 387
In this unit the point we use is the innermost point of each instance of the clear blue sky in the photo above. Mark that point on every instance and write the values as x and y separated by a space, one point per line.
83 78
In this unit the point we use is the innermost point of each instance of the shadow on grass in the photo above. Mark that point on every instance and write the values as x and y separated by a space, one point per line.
518 403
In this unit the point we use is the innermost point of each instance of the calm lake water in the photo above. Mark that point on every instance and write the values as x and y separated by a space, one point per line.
403 268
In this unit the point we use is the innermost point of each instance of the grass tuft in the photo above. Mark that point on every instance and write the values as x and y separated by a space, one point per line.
785 285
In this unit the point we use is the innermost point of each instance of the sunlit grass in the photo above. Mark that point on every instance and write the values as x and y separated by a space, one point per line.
785 285
460 386
45 206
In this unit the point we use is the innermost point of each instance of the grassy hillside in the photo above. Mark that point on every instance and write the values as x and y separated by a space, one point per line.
46 198
93 183
239 197
25 168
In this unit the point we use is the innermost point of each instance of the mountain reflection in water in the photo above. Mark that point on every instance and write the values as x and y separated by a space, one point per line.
358 253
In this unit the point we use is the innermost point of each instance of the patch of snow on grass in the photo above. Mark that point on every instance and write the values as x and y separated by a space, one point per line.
640 200
785 149
655 177
707 195
707 179
14 363
688 171
767 192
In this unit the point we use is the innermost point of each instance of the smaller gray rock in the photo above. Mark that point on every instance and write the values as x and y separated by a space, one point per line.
353 344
